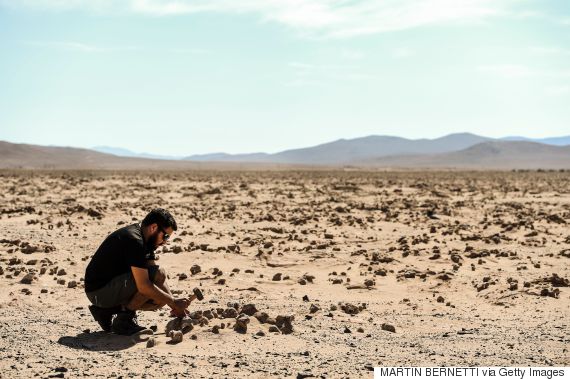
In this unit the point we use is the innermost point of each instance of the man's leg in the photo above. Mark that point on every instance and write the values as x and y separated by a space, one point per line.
143 303
126 321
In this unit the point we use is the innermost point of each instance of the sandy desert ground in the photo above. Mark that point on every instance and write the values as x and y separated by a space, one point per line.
370 268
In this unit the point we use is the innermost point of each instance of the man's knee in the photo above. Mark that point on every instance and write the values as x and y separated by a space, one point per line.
159 276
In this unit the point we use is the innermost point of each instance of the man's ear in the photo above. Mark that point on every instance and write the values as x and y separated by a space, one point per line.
153 228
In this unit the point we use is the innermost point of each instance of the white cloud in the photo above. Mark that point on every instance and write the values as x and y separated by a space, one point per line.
317 18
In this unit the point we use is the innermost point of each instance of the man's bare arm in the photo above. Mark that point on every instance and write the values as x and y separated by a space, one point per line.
150 290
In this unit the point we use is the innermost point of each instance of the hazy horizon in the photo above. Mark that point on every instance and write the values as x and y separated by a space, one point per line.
197 77
123 150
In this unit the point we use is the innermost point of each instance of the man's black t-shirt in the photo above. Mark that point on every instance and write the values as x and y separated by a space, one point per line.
122 249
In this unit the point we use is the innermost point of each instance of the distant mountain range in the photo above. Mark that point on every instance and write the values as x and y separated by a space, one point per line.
487 155
25 156
120 152
462 150
369 149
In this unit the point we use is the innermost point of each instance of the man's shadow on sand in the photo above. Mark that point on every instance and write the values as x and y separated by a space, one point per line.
101 341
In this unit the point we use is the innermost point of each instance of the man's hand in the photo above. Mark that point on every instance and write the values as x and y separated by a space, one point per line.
179 307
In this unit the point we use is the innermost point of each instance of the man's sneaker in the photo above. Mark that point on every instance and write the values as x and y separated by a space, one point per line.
103 316
125 323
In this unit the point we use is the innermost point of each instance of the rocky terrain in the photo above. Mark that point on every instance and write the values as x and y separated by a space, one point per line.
304 273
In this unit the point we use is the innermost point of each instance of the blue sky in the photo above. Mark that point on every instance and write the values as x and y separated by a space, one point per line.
188 77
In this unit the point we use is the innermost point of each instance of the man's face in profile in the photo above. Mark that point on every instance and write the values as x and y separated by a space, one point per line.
159 237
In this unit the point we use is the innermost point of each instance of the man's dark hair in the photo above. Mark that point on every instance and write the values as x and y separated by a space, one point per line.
161 217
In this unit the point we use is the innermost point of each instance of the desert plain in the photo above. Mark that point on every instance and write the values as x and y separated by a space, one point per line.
327 273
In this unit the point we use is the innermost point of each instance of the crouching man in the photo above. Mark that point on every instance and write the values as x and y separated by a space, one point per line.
122 277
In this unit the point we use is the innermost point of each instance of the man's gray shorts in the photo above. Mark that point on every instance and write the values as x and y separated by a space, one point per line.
119 291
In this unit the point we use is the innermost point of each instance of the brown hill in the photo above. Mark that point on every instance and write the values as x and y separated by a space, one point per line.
25 156
485 155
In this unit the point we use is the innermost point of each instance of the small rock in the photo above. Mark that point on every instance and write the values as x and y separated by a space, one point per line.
229 313
195 269
72 284
249 309
349 308
284 323
314 308
305 374
388 328
28 279
241 324
233 304
208 314
276 277
176 336
151 342
261 317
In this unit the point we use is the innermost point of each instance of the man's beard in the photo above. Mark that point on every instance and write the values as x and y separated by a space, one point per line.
153 241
